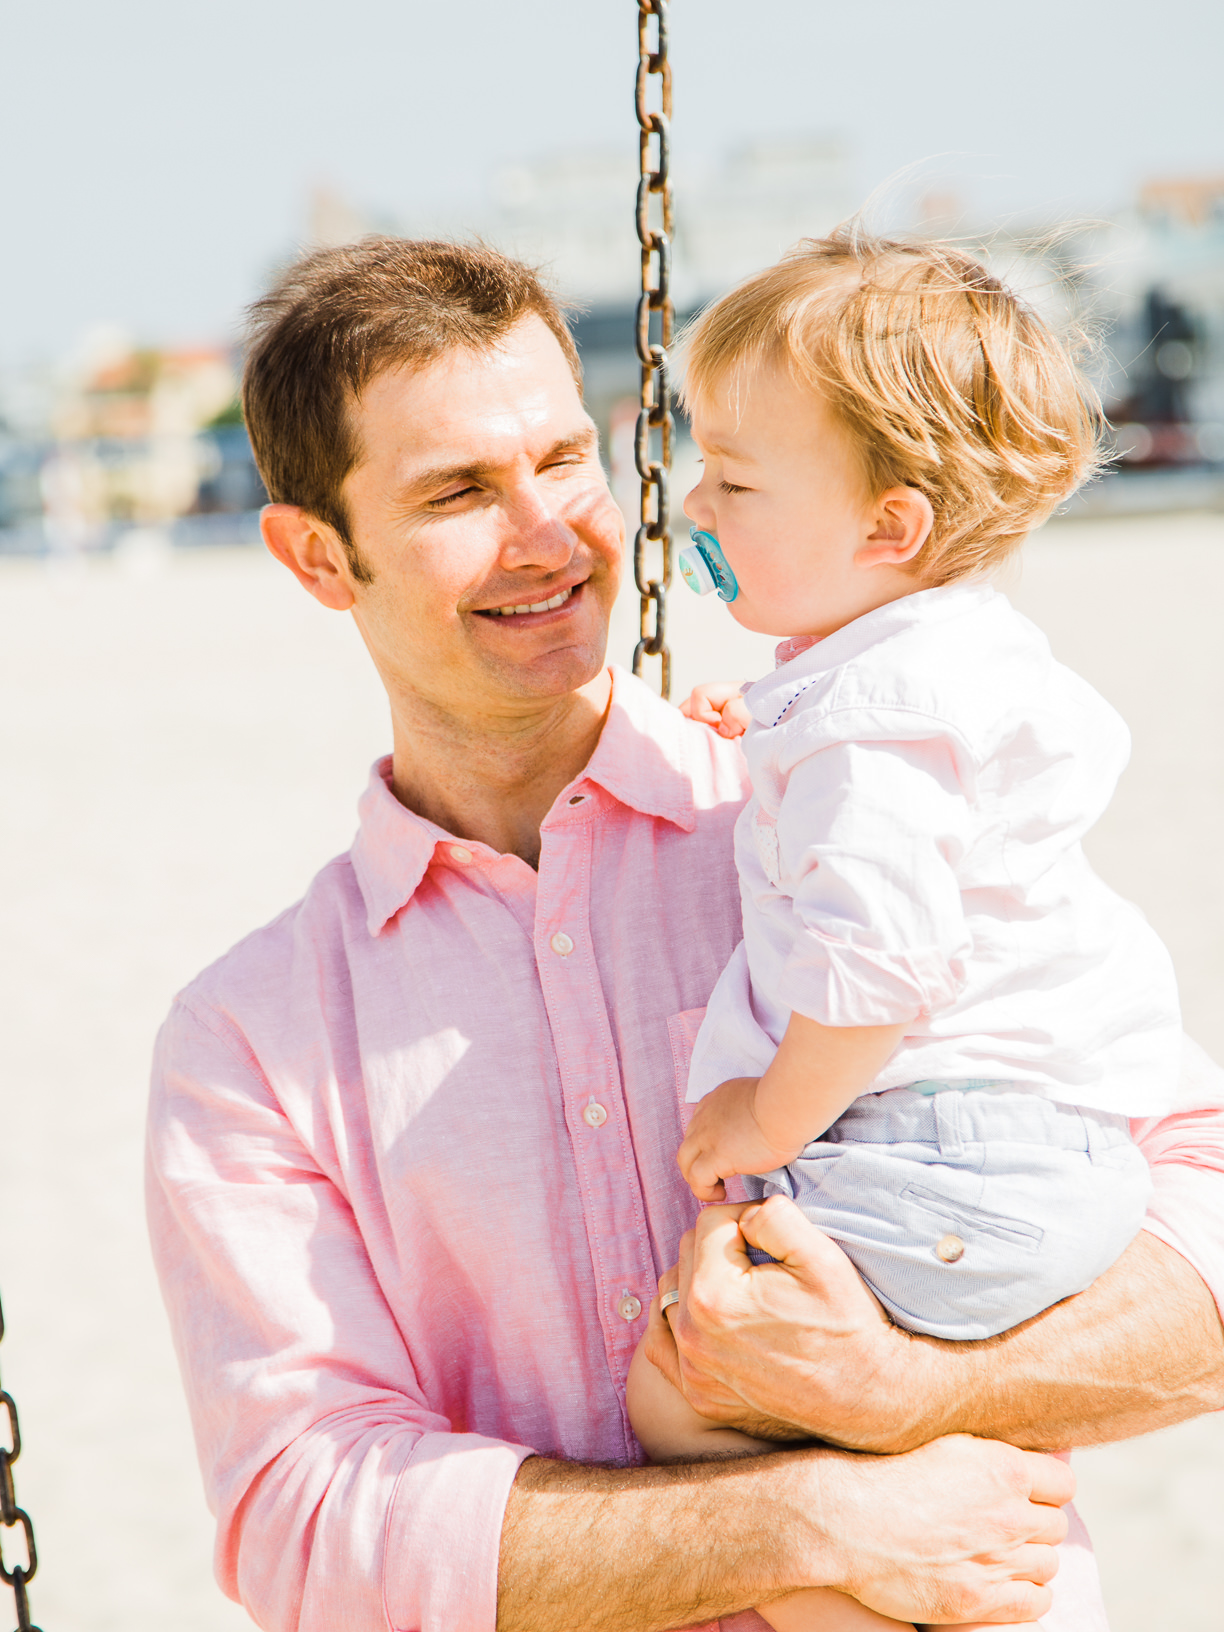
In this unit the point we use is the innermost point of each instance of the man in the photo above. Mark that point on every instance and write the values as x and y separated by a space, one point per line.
411 1145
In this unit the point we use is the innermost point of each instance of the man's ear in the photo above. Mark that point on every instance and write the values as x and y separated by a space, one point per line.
902 519
311 550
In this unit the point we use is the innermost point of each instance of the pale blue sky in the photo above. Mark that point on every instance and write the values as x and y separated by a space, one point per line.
158 155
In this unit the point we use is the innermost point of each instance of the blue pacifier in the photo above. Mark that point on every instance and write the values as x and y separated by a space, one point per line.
705 566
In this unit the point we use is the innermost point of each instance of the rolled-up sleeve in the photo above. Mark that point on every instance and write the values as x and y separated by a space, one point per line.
868 837
341 1498
1186 1155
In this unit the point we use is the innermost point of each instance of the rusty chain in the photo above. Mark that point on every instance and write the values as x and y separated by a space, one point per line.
12 1516
654 415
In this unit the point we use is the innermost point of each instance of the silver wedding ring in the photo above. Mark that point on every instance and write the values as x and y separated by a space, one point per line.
668 1298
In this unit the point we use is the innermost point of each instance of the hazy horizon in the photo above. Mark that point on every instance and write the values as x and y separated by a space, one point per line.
161 159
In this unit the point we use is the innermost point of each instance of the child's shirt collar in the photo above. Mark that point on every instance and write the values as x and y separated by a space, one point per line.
801 658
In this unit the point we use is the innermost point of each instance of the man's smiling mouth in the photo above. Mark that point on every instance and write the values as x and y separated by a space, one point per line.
550 605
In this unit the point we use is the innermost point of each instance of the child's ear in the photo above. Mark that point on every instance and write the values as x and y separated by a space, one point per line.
901 520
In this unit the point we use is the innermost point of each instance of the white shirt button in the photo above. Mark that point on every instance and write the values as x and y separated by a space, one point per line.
458 852
950 1248
629 1307
561 944
594 1115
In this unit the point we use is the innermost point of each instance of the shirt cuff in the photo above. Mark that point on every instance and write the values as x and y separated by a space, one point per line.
444 1533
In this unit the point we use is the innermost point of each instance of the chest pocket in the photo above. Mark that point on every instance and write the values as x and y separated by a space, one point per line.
682 1032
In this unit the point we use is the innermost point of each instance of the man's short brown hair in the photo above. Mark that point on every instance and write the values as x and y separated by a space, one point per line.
338 318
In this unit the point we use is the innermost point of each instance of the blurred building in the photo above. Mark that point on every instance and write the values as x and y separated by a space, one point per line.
122 436
1158 275
133 437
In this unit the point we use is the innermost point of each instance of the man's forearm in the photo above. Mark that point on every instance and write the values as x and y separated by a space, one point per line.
1141 1349
958 1531
635 1549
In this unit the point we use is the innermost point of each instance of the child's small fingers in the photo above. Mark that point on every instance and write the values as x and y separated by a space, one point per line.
705 1181
687 1158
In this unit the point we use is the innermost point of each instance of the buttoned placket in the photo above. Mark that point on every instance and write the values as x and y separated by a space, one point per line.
609 1184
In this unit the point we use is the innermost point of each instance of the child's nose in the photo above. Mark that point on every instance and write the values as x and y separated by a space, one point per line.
694 509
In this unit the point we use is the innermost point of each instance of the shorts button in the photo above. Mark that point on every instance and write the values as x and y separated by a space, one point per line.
950 1248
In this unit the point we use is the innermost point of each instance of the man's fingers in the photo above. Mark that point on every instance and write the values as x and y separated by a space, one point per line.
1021 1602
1035 1563
714 1242
1049 1524
778 1227
1052 1480
659 1341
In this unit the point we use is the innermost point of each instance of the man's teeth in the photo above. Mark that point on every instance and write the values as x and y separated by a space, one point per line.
539 606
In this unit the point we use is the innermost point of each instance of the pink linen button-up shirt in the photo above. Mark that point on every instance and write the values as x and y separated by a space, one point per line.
412 1176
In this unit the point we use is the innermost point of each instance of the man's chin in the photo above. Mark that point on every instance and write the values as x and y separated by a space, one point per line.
547 674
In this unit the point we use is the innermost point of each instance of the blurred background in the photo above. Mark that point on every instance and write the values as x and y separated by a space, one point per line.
183 734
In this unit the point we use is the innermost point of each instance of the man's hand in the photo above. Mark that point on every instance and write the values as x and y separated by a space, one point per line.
725 1137
961 1530
797 1349
801 1348
719 704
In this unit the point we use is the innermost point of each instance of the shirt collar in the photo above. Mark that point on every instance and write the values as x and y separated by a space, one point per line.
643 759
644 756
801 665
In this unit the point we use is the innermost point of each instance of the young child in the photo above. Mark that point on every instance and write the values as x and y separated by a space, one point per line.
939 1019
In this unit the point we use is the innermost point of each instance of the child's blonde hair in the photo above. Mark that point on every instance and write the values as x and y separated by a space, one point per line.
944 380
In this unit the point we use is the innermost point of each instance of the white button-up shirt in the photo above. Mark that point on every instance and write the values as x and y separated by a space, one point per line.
922 780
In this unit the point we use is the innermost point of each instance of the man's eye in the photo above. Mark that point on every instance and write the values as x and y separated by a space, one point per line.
449 498
730 487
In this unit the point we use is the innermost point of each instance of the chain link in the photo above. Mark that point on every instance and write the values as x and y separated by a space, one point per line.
12 1516
653 337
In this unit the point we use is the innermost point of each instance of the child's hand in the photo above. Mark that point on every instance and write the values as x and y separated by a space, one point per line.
717 703
724 1138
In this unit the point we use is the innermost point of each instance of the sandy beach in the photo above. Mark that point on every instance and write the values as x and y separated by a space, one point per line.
184 737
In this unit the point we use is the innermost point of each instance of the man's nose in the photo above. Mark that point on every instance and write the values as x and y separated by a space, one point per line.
536 533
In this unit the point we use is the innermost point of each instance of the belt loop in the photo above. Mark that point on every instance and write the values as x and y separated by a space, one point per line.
949 1107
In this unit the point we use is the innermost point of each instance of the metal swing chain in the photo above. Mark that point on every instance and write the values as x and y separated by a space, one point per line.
655 411
15 1575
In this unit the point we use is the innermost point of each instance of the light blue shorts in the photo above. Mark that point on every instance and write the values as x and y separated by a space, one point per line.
967 1212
